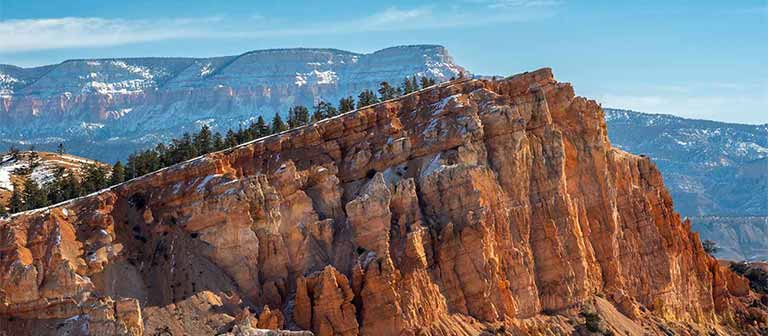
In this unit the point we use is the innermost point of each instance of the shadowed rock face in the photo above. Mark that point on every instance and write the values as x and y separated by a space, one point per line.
471 206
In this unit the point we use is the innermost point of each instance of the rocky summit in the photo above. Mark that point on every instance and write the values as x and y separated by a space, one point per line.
472 207
106 108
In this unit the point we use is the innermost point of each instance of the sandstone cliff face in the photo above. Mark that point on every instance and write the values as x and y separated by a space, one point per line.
470 207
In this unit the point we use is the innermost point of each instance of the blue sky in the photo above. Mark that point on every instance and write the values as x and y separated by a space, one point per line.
699 59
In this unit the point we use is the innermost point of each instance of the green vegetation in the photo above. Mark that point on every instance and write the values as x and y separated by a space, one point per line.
710 247
66 186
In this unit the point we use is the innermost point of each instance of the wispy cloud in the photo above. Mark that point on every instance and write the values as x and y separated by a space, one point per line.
69 32
522 3
76 32
516 4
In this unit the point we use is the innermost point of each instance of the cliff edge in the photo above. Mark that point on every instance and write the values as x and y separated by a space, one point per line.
471 207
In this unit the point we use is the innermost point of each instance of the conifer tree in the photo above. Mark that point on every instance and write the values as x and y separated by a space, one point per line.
277 124
365 98
291 121
262 129
95 178
387 91
323 110
53 189
71 187
426 82
118 174
298 116
346 104
16 202
202 141
218 142
34 158
330 111
231 139
407 86
34 197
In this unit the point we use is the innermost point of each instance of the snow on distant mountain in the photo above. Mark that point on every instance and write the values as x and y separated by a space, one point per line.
106 108
710 168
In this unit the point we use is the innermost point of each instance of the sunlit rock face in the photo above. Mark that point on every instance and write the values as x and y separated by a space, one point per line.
105 108
470 207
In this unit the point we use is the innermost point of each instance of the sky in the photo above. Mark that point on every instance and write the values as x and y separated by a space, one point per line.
696 59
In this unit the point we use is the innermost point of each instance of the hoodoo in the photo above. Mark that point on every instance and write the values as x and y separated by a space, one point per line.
471 207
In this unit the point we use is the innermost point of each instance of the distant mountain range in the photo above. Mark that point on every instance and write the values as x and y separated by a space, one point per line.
106 108
716 172
710 168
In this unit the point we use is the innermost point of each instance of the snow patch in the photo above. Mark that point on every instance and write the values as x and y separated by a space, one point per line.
201 186
434 166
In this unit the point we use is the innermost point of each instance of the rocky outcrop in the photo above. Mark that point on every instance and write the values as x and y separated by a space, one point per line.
472 207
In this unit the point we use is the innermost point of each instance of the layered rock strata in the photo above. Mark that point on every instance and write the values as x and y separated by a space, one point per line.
470 207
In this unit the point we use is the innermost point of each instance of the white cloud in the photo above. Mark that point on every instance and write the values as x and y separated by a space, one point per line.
76 32
522 3
71 32
394 15
516 4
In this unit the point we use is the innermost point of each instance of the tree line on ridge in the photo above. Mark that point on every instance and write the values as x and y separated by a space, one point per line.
65 185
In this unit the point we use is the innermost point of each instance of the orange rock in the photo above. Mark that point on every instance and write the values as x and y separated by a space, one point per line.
473 206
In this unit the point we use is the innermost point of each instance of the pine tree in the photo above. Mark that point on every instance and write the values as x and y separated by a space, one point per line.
158 157
409 86
95 178
71 187
231 139
346 104
34 197
387 91
3 211
53 189
202 142
330 111
323 110
298 116
16 202
118 174
182 149
218 142
262 129
427 82
34 158
365 98
291 122
277 124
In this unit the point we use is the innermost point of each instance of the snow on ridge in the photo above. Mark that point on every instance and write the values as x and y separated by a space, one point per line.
119 113
316 77
206 70
139 70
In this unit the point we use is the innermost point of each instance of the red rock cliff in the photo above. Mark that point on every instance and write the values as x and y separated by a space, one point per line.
470 207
